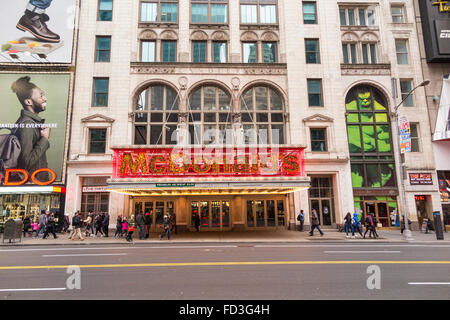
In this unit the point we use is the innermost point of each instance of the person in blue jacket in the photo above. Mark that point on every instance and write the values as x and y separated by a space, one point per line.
357 224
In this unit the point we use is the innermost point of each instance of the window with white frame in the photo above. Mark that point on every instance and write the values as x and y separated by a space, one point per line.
397 14
401 49
357 16
405 89
159 11
258 11
148 50
349 53
209 11
369 53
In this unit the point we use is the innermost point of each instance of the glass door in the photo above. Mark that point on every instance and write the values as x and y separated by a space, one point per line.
325 213
213 214
383 214
265 213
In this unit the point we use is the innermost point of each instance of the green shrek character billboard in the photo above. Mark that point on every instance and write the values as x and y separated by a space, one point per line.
369 138
35 113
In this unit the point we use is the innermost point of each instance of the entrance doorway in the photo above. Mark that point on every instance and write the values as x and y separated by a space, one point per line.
321 199
214 214
380 210
266 213
156 208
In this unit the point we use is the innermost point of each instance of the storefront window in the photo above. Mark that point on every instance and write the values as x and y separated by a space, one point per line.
322 199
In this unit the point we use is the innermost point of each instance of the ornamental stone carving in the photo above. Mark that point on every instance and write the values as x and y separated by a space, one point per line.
220 36
249 36
169 35
269 36
199 36
149 70
350 37
148 35
369 37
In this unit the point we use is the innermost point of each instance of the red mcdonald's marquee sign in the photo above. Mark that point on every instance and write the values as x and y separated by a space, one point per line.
208 162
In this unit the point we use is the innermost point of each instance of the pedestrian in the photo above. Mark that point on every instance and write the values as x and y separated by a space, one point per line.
106 224
124 227
197 221
349 225
66 223
50 226
301 219
374 229
166 228
357 224
99 224
35 227
173 222
26 226
87 222
315 223
76 225
369 225
403 227
148 224
130 229
140 221
42 223
118 233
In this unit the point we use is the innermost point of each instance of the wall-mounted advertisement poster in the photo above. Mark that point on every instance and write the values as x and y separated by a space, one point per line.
33 122
442 131
37 31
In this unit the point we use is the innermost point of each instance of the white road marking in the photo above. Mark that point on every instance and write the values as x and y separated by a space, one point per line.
429 283
361 251
112 248
348 245
37 289
84 255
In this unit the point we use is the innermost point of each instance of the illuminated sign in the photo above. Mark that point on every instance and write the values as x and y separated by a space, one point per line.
442 6
219 162
420 198
25 177
420 179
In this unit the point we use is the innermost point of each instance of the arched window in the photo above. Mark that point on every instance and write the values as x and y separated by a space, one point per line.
210 116
369 136
156 116
262 116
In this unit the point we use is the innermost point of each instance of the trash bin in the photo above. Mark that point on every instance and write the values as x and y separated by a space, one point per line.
13 230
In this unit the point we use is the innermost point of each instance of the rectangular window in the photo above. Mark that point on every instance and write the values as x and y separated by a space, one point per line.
362 17
342 17
357 16
199 51
268 14
220 52
105 8
401 48
349 53
148 51
199 13
312 50
168 51
405 88
103 49
415 147
97 140
149 12
219 13
309 13
101 88
371 17
369 53
270 52
169 12
315 92
249 52
318 139
397 14
249 14
351 17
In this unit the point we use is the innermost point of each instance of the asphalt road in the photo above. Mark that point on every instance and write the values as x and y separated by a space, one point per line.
227 271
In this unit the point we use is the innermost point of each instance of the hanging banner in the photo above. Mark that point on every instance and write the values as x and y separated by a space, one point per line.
405 135
442 131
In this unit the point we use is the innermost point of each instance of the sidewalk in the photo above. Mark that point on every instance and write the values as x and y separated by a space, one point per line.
264 236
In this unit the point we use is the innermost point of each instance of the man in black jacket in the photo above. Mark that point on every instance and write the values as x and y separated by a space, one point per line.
76 224
148 224
106 224
141 225
50 226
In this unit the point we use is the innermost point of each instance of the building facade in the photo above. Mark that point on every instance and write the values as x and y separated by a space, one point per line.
435 55
310 86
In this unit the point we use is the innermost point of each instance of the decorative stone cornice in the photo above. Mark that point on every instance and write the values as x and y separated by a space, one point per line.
366 69
318 118
98 118
186 68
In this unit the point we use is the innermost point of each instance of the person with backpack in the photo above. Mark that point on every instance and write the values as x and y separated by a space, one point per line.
301 219
348 220
315 223
369 225
77 223
166 228
99 225
51 224
357 224
33 136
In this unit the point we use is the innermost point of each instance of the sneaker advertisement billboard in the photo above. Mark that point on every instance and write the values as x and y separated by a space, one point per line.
34 128
37 31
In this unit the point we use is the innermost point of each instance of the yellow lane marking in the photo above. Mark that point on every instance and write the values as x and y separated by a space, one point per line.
237 263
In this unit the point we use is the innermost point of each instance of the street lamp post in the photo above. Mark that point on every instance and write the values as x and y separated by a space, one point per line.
407 232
